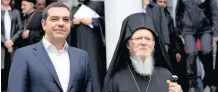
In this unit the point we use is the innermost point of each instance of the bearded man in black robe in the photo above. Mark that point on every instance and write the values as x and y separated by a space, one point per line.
136 66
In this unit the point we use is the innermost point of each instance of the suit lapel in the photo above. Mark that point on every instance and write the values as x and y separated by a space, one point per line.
42 55
12 20
73 67
10 12
2 21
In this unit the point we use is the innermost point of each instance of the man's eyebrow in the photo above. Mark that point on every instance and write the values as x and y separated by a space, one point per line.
65 17
61 17
53 16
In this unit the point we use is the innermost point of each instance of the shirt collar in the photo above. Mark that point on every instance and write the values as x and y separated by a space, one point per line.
9 8
48 45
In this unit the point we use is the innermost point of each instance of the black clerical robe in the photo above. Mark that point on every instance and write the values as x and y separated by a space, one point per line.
92 40
119 78
124 82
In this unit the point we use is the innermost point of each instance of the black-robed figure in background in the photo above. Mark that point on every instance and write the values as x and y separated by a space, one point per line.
176 48
91 40
33 32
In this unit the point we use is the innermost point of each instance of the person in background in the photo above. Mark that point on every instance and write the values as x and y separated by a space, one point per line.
92 40
11 29
160 23
197 19
33 32
176 47
159 19
40 5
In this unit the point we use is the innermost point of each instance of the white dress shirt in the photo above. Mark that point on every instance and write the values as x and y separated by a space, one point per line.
61 62
7 24
144 8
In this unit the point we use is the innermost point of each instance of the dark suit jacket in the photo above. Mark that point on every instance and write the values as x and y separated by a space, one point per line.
197 18
176 44
33 71
16 29
159 20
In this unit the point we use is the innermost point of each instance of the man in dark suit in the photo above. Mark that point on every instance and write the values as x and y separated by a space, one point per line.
198 19
51 65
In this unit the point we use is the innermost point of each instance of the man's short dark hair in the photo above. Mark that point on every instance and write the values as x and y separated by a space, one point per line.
55 4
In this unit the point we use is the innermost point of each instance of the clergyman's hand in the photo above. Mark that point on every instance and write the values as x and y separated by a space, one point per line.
178 57
25 34
76 21
86 21
174 87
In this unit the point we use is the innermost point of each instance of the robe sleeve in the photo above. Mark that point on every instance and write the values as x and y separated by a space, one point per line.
110 86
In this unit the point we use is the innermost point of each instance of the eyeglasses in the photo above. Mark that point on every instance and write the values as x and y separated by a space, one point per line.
141 38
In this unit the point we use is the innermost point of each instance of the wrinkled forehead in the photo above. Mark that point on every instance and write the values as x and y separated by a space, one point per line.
142 33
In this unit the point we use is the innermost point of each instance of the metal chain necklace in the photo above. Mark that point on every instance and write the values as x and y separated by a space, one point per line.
135 79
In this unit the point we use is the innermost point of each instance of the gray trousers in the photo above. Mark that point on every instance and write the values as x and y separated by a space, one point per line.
205 56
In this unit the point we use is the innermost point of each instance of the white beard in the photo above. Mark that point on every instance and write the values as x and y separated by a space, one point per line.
143 68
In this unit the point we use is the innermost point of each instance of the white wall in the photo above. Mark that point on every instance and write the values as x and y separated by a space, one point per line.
115 12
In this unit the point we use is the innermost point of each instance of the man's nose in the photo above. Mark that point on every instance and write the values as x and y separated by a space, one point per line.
61 23
143 41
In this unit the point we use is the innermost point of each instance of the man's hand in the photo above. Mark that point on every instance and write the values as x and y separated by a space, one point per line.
166 47
8 43
174 87
178 57
25 34
10 49
216 38
87 21
76 21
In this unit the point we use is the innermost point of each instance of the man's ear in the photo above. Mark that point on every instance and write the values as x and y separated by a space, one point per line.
153 44
43 22
127 44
